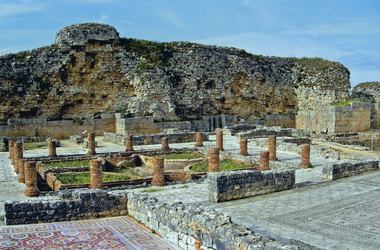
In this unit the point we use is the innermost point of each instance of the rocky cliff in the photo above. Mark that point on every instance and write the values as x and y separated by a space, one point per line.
367 92
90 70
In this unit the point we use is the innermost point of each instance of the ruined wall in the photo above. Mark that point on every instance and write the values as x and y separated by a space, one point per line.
367 92
91 70
335 119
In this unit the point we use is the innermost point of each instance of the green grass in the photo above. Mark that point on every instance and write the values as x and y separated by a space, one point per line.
84 178
65 164
35 145
224 165
152 190
187 156
345 103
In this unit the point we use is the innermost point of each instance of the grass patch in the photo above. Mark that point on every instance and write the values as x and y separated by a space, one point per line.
84 178
152 190
35 145
187 156
224 165
345 103
66 164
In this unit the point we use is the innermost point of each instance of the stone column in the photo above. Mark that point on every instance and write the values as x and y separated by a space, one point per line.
10 148
52 149
128 143
272 140
219 140
165 143
305 155
31 188
18 154
96 174
21 170
91 143
198 139
213 160
158 172
264 161
243 146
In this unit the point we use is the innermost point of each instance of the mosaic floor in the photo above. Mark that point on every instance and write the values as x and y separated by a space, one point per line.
108 233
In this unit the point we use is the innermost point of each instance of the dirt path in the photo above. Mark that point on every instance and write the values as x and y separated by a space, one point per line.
342 149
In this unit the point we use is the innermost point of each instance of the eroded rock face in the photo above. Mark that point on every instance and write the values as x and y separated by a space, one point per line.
367 91
81 34
170 81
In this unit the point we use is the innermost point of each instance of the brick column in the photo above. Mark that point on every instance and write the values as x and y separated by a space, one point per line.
305 155
213 160
13 154
21 170
31 188
219 140
272 140
165 143
243 146
10 148
264 161
128 143
91 143
18 154
158 172
198 139
96 174
52 149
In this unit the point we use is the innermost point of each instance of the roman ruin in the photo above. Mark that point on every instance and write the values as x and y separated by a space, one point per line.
209 147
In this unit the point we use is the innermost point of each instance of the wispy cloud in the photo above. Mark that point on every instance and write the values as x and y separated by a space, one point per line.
103 18
12 8
166 12
93 1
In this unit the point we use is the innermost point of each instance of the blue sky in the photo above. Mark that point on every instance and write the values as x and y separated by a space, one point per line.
346 31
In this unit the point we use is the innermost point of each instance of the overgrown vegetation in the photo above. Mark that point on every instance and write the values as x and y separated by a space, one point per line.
224 165
187 156
66 164
35 145
155 54
345 103
84 178
313 65
1 217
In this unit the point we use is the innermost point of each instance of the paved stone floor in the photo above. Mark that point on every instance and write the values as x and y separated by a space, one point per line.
341 214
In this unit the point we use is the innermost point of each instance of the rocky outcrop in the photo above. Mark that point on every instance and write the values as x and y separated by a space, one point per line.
367 92
91 70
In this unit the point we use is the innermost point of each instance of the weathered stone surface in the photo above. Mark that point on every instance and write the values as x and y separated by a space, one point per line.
90 70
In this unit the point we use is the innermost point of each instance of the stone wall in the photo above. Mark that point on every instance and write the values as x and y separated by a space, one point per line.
192 226
336 120
61 129
335 171
231 185
153 138
70 205
262 131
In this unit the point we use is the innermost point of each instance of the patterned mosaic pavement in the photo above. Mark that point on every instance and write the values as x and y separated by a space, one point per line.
108 233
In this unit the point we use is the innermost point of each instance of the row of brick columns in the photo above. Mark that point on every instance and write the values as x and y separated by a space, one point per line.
26 169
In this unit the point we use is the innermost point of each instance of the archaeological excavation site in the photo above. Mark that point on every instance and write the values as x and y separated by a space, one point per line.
208 147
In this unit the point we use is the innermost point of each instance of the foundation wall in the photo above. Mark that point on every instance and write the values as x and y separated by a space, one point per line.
70 205
224 186
346 169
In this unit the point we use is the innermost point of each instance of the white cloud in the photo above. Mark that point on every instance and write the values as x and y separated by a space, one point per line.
103 18
11 9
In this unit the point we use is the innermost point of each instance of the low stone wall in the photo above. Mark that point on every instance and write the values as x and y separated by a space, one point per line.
195 227
233 130
153 138
262 131
224 186
340 170
70 205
